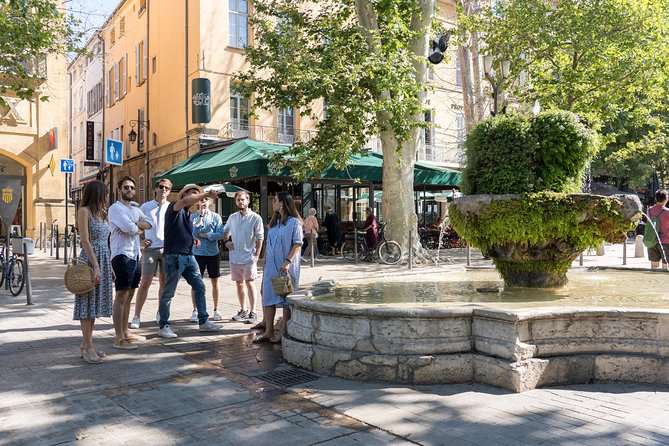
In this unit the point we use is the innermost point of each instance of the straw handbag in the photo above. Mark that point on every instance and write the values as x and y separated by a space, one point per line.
79 277
283 284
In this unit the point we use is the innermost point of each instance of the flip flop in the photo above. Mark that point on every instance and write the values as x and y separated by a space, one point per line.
259 326
261 339
135 338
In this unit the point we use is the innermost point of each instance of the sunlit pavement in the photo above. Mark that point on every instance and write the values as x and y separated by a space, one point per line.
223 389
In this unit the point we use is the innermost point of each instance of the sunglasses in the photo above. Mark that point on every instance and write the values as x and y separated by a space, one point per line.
162 186
128 187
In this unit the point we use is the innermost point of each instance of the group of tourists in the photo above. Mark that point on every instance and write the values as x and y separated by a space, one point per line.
128 245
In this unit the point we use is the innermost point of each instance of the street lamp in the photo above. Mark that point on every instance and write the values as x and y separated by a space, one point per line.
132 136
505 66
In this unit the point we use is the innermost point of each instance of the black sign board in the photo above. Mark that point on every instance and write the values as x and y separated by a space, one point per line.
201 100
91 163
90 140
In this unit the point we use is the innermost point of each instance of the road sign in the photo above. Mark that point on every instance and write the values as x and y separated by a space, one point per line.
67 165
113 152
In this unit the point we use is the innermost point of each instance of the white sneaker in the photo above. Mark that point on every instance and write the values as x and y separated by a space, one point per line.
217 315
135 322
166 332
193 317
210 326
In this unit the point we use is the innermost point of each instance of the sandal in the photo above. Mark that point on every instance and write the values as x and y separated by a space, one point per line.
124 344
261 339
259 326
135 338
100 353
276 340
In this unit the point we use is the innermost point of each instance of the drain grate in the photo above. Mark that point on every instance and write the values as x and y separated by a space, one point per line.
287 378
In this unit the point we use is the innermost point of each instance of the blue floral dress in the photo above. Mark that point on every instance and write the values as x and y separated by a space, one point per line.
97 303
280 239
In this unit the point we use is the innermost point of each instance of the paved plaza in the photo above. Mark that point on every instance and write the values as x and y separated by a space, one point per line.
221 389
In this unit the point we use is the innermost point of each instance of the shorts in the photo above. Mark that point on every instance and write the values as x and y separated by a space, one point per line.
247 271
128 272
211 263
152 260
655 253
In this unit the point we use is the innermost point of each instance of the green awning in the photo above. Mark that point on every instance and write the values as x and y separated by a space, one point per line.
249 158
242 159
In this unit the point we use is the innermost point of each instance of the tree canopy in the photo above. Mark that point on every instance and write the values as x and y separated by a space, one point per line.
29 29
354 55
592 57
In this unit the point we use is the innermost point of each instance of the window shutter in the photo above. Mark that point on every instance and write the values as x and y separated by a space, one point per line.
145 59
137 62
125 74
117 90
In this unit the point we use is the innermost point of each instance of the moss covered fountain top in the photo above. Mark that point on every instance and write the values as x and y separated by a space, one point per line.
518 205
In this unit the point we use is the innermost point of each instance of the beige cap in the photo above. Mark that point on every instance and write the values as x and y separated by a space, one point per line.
188 187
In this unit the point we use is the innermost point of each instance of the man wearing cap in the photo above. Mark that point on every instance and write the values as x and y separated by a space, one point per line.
180 261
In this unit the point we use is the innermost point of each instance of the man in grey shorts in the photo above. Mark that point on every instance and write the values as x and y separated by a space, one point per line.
243 234
152 259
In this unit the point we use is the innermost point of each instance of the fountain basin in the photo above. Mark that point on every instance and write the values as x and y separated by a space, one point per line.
516 349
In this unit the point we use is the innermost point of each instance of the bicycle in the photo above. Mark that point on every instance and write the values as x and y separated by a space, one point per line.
388 251
12 270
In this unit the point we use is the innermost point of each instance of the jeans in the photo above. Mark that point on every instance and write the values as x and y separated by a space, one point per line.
177 265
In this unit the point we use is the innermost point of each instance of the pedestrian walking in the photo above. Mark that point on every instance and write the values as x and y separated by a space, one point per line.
208 230
179 259
282 255
153 242
93 230
126 222
243 234
331 223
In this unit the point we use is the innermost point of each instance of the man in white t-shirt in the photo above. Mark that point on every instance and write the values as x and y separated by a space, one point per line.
152 257
243 234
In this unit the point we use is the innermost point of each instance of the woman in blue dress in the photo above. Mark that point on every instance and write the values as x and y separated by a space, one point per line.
94 235
282 254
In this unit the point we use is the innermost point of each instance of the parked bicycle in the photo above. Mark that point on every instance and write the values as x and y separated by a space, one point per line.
388 251
11 269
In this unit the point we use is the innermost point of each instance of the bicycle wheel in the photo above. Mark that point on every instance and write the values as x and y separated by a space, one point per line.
16 277
390 252
348 251
2 272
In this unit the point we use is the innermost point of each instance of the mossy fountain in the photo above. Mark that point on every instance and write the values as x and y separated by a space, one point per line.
520 212
517 208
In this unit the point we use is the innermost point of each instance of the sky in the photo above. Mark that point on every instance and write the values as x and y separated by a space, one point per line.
91 13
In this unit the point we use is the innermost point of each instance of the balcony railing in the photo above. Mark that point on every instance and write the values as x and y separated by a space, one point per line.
264 133
451 154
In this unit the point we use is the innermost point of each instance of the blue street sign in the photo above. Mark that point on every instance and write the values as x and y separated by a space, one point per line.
67 165
113 152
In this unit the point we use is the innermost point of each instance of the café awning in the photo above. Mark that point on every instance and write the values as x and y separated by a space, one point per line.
249 158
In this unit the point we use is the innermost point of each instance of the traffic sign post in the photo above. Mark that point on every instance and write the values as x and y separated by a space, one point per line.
66 165
113 152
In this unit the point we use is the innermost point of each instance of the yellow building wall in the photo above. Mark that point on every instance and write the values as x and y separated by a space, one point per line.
26 142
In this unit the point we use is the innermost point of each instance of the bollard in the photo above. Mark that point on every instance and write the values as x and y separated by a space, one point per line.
639 252
29 286
600 249
313 253
57 245
469 255
580 259
53 227
625 253
410 250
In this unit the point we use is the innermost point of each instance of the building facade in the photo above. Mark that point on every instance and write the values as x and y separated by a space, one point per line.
33 139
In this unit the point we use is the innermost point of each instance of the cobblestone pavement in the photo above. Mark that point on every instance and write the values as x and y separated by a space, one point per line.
222 389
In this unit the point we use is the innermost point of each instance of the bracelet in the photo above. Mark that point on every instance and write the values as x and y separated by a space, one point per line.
288 260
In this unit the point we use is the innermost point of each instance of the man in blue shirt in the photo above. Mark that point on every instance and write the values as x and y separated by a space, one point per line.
208 229
179 259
